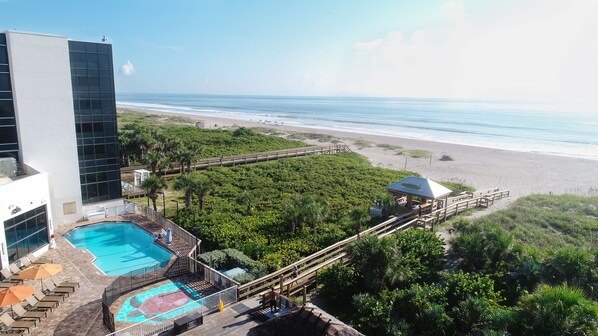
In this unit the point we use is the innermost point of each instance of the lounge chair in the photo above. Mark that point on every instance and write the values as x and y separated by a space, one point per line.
70 284
17 325
8 276
53 289
7 284
37 260
9 332
47 298
14 268
26 314
36 305
25 262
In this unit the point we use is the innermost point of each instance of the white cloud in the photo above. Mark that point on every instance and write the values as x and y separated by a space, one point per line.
127 69
531 51
369 45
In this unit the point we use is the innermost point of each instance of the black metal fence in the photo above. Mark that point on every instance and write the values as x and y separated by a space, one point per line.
166 224
137 279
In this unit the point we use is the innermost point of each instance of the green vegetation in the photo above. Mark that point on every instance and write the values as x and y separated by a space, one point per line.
313 136
230 258
547 221
389 146
159 141
153 185
496 284
278 211
126 117
361 144
418 153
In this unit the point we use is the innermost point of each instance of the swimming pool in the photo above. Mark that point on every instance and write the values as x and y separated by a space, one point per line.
119 247
174 299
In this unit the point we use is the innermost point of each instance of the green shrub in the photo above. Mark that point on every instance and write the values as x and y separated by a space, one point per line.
339 283
418 255
374 314
559 310
460 286
570 265
231 258
424 307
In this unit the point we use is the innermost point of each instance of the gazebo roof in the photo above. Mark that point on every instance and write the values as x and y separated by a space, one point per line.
419 186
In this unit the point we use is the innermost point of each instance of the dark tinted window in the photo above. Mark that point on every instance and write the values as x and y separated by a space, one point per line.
3 55
95 119
5 82
26 232
8 135
6 109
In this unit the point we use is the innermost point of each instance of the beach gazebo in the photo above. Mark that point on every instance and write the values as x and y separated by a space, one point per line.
423 188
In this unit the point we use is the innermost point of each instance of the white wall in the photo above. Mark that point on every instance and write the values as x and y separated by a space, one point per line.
27 193
42 92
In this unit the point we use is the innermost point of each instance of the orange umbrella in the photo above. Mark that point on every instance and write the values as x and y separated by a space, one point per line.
40 271
16 294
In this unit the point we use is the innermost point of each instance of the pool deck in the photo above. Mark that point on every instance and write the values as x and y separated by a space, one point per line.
81 313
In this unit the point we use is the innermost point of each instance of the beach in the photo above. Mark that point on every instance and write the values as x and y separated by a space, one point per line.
522 173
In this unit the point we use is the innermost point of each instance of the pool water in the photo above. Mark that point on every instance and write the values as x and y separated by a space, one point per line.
168 301
119 247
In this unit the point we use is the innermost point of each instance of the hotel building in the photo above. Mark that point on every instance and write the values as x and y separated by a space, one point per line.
59 155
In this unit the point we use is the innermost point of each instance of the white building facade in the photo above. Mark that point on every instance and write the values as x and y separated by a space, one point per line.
58 123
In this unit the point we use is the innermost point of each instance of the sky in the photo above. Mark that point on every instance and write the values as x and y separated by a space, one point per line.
477 49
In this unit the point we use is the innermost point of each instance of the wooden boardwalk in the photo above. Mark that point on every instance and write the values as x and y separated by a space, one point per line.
233 320
298 276
234 160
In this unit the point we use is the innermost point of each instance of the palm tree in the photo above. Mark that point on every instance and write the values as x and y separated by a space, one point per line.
202 189
153 185
558 310
371 256
156 161
359 217
134 140
183 156
188 184
293 213
189 155
316 210
305 209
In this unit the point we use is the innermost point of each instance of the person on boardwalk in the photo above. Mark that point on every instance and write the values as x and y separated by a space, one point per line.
273 297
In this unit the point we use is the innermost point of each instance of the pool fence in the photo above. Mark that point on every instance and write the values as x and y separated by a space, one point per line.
166 224
157 324
149 275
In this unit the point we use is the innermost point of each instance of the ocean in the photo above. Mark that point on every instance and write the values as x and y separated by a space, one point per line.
549 128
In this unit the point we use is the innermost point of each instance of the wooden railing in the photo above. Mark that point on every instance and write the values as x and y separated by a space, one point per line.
297 276
234 160
307 267
483 200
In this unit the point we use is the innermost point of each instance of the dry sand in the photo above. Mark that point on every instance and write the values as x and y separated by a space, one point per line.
520 172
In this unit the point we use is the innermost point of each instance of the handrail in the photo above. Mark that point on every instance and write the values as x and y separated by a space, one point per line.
308 266
252 157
